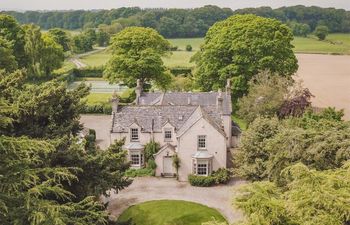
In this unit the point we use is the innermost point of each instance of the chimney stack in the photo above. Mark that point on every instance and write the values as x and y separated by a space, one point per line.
138 91
189 100
228 87
115 102
219 102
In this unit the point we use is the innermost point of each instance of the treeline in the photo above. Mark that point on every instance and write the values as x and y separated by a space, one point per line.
173 23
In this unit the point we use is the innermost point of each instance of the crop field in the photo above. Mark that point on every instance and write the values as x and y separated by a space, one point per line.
335 44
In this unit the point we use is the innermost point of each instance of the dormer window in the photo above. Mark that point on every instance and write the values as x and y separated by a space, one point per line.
168 135
134 134
201 142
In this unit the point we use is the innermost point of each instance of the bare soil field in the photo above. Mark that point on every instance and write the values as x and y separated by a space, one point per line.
328 78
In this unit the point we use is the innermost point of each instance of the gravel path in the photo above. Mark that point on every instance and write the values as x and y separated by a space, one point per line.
152 188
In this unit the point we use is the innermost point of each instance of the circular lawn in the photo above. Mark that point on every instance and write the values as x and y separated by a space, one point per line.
170 212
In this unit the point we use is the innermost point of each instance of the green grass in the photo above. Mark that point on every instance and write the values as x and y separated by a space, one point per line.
182 42
94 98
170 212
312 45
97 59
335 44
241 123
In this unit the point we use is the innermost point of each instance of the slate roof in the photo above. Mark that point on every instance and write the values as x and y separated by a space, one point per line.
183 98
148 116
156 116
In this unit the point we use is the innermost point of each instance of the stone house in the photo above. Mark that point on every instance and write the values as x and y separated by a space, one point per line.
195 126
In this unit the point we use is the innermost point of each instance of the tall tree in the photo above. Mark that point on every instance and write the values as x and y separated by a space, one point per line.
61 37
240 47
307 197
7 60
136 54
43 53
12 32
266 95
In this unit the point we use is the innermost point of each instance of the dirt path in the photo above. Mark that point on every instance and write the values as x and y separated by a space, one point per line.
328 78
152 188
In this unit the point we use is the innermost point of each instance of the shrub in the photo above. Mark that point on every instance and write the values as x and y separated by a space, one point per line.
221 176
188 48
151 164
98 108
173 48
151 148
127 96
144 172
201 181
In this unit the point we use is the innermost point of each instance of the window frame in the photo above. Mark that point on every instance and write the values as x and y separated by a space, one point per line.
203 167
201 141
132 137
165 134
138 159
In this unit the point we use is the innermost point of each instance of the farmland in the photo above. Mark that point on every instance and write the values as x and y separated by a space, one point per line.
335 44
329 70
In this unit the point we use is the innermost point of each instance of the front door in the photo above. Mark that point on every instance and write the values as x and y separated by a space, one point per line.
168 169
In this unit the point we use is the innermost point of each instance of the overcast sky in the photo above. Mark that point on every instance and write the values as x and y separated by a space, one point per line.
108 4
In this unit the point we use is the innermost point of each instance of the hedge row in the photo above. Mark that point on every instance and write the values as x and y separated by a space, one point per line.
89 71
180 71
98 108
221 176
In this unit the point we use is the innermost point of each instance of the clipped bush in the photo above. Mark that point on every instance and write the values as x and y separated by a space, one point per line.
96 71
201 181
221 176
176 71
144 172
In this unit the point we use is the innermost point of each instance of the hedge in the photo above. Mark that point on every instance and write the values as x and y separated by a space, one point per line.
221 176
201 181
180 71
89 71
98 108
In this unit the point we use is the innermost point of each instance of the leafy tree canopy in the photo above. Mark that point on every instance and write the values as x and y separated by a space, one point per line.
319 141
61 37
321 32
240 47
307 197
266 95
136 55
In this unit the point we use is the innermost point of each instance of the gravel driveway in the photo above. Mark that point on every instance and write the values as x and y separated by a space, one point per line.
102 125
152 188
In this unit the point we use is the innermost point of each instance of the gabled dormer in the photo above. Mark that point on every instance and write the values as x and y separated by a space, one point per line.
168 132
134 131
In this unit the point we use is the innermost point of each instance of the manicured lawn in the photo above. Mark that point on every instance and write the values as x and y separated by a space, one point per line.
170 212
94 98
97 59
